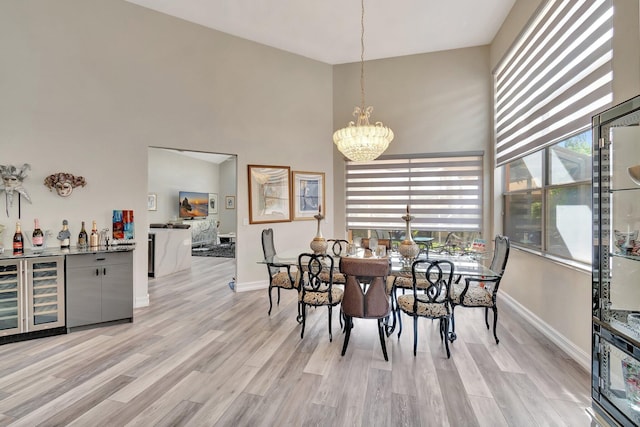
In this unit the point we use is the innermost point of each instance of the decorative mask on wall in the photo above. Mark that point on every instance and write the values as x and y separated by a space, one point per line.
64 183
12 179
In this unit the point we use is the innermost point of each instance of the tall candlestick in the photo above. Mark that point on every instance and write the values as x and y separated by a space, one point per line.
407 209
319 208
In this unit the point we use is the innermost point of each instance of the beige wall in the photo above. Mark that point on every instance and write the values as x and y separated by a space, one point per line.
554 296
88 85
434 103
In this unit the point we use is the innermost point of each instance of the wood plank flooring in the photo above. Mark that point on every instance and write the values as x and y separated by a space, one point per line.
202 355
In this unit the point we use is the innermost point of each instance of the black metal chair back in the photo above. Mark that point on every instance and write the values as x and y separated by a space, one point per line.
500 254
316 273
438 275
339 246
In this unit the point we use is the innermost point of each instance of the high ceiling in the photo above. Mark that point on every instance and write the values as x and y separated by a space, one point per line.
329 30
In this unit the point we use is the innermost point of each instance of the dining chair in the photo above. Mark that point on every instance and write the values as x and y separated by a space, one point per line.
338 248
370 304
482 292
279 274
316 290
434 302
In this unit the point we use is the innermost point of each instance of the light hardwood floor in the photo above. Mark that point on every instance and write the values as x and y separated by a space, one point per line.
201 355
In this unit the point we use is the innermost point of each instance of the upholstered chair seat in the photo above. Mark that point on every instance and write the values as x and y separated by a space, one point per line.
475 296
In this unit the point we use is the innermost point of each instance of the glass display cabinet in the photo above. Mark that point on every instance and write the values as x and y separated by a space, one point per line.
616 264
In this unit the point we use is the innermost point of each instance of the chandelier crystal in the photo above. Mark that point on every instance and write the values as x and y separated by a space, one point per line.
362 141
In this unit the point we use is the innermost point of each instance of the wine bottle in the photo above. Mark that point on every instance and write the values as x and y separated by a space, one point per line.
83 237
37 238
18 241
64 235
94 238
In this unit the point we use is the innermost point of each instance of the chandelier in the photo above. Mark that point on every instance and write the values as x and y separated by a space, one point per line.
361 141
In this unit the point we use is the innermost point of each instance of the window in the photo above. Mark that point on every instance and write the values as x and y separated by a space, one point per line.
443 191
554 78
551 212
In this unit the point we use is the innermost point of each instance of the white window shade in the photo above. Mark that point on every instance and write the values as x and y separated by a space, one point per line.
444 192
555 77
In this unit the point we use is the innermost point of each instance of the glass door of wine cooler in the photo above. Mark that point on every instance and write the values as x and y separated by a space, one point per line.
10 297
46 300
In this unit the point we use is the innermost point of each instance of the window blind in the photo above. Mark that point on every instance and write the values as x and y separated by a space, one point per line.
444 192
554 78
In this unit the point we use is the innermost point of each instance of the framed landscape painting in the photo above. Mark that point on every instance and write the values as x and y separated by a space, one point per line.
269 189
308 194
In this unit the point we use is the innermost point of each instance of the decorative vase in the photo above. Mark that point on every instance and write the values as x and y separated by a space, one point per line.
408 248
319 244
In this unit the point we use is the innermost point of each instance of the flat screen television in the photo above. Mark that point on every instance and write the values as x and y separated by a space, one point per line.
193 205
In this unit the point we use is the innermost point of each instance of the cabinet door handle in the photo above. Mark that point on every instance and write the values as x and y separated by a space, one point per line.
104 271
97 271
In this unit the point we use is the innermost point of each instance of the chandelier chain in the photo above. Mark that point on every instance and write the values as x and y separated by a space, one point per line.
362 55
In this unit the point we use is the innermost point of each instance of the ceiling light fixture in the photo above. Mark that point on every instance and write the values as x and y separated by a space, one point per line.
361 141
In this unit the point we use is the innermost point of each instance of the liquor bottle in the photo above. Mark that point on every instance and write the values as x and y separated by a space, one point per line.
64 235
37 238
83 237
18 241
94 238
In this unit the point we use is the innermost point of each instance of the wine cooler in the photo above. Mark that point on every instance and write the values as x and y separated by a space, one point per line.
31 295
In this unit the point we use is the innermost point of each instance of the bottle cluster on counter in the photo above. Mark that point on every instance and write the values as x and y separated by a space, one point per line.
123 234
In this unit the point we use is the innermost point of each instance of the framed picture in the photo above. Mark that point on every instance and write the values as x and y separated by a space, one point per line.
213 203
152 202
269 189
230 202
308 194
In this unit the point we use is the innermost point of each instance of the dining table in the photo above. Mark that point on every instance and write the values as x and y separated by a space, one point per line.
468 264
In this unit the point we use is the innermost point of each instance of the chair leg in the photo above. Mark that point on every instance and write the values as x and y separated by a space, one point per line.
399 318
330 335
444 324
452 334
304 315
299 317
415 334
390 328
382 339
270 301
347 326
278 296
495 323
486 316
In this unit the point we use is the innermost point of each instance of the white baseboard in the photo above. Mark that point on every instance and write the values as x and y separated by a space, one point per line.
141 302
575 352
251 286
